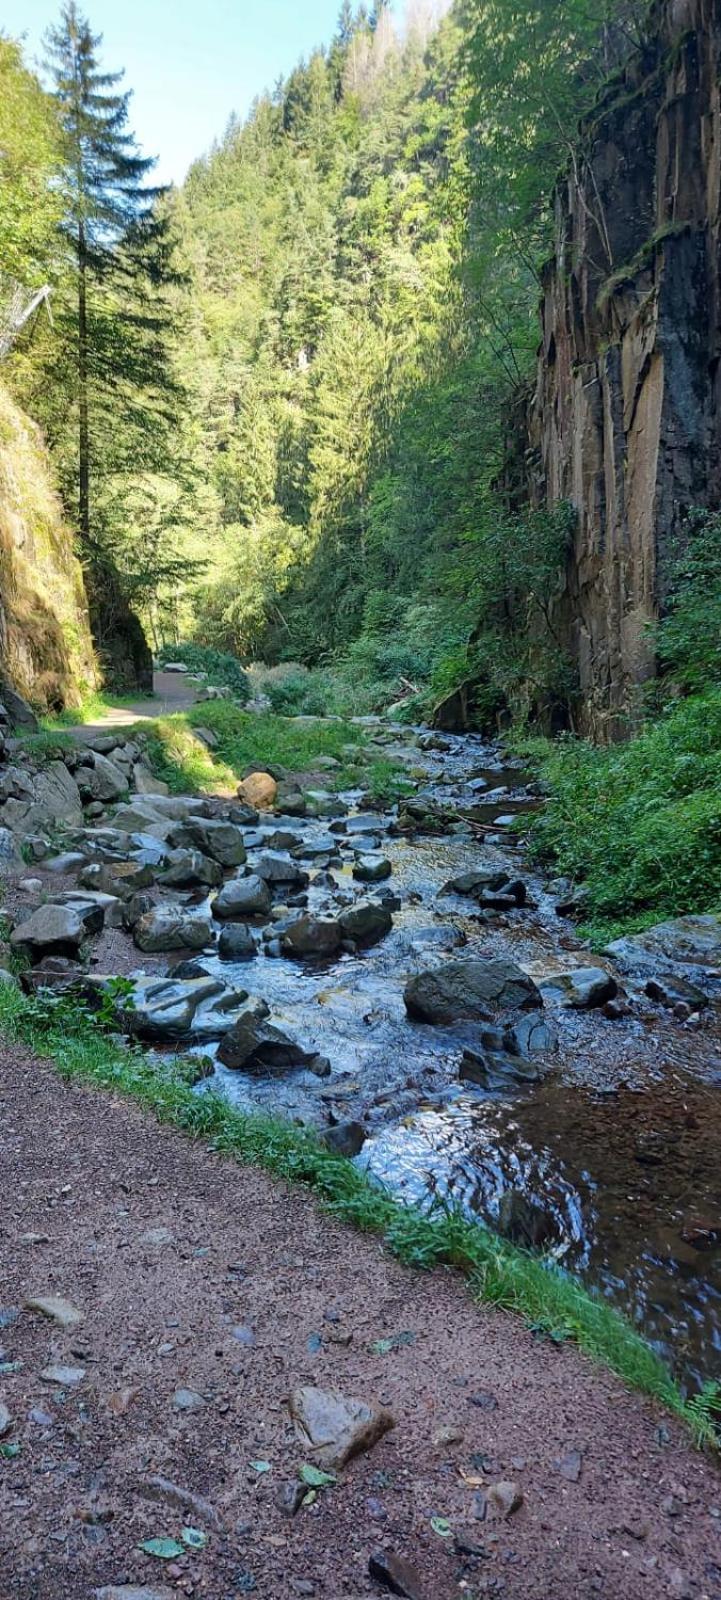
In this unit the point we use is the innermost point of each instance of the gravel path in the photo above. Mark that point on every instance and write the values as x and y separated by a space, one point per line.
171 693
192 1273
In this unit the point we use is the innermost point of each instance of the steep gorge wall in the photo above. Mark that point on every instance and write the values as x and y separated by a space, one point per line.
46 649
625 418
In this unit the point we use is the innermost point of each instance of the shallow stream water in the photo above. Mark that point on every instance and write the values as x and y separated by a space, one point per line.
618 1146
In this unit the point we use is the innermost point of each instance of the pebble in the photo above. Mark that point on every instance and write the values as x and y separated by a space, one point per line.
66 1377
188 1400
504 1498
396 1575
450 1434
570 1465
6 1420
484 1400
57 1309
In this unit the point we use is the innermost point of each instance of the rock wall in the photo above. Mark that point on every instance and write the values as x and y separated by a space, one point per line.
46 650
625 418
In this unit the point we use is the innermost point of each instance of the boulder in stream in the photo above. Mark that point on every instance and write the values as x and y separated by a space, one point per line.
372 869
312 938
242 897
190 869
236 942
473 990
255 1046
220 840
579 988
366 922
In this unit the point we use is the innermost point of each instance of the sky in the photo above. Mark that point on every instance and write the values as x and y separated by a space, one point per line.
190 63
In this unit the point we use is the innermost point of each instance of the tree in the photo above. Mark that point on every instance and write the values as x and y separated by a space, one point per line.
109 223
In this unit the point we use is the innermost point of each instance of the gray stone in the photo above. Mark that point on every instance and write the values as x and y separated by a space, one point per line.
366 922
190 869
164 1008
142 817
312 937
6 1420
103 781
498 1070
67 862
8 846
242 897
221 840
579 988
92 907
188 1400
334 1428
236 942
145 783
50 929
255 1046
58 1310
64 1377
372 869
170 928
120 878
345 1139
475 990
135 1591
274 868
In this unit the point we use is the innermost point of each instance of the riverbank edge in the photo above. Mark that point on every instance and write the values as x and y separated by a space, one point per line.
552 1302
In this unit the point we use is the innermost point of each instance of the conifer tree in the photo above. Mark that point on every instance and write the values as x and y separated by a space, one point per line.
118 245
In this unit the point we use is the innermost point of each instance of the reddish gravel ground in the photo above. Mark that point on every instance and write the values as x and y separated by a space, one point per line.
193 1272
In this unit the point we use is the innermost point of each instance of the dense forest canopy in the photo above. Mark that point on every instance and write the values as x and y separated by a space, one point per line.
279 397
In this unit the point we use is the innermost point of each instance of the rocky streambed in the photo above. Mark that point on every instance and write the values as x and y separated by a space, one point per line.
401 981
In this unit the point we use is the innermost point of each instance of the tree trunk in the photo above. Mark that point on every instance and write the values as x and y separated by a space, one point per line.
83 414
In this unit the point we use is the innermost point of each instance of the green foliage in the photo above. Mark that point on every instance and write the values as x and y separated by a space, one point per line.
30 206
688 640
218 666
244 738
639 824
548 1298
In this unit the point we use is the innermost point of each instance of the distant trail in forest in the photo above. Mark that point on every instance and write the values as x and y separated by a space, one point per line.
171 692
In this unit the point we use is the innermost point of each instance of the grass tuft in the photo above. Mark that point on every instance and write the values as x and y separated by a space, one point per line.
550 1300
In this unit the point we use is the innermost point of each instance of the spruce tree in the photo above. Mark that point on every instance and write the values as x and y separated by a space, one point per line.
117 245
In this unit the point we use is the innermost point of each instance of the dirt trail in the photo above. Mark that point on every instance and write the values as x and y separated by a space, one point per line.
171 693
193 1273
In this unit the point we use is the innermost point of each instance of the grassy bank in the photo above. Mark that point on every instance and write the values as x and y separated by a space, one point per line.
552 1302
637 824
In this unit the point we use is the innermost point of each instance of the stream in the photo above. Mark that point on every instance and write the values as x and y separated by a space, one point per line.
615 1151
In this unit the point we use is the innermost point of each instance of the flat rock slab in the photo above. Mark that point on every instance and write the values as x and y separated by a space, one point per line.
579 988
474 990
334 1427
56 1309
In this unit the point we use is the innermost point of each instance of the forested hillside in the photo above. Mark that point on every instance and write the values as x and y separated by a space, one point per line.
363 256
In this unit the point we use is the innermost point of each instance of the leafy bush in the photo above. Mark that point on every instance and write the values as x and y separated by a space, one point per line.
292 689
218 666
688 639
639 824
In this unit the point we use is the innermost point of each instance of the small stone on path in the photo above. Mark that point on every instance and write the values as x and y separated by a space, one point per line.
65 1377
504 1498
6 1420
188 1400
570 1465
335 1427
58 1310
396 1575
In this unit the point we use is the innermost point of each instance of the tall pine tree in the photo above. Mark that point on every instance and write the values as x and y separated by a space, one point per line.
118 247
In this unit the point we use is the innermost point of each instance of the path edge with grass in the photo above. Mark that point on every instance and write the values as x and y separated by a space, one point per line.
552 1303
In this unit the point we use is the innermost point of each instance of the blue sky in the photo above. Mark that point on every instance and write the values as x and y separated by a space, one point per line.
190 63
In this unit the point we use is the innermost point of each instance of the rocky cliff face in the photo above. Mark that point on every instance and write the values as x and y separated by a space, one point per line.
625 419
46 650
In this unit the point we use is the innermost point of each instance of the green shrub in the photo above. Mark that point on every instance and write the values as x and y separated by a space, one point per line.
688 639
639 824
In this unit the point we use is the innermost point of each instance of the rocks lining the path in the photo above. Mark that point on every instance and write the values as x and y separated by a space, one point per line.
333 1427
171 1009
474 990
51 930
171 928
